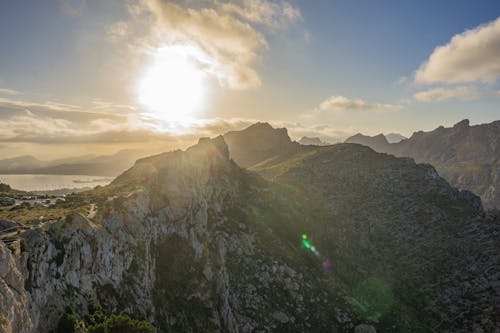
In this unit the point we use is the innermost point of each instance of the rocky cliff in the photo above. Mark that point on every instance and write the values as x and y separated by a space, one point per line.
15 302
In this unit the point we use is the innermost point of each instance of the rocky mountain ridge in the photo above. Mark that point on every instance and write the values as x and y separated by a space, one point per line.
312 239
467 156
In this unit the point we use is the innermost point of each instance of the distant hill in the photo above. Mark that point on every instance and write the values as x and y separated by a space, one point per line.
377 142
105 165
25 162
394 137
312 141
467 156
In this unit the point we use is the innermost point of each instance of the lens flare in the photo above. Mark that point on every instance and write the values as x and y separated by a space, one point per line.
327 265
307 244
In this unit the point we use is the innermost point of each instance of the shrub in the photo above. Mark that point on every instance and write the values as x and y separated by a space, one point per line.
122 324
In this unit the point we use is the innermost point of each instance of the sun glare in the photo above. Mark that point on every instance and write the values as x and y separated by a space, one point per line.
172 88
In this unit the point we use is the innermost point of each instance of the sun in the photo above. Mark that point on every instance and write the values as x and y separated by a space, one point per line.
173 86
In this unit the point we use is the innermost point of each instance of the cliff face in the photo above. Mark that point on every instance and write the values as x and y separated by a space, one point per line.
466 156
14 299
343 239
193 245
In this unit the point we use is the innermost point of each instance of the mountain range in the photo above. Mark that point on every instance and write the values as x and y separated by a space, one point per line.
251 232
466 156
103 165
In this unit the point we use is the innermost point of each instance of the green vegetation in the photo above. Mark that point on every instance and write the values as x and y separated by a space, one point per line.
4 187
99 321
7 201
3 320
26 213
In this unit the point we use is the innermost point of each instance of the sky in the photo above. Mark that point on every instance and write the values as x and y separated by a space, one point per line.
80 77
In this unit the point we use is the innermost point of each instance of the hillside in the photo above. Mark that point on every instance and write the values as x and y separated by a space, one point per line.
335 238
466 156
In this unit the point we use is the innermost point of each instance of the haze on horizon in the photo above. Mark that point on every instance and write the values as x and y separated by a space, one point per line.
86 77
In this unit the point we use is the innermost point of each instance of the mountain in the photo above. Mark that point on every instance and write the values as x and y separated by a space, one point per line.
258 142
312 141
314 239
394 137
377 142
25 162
105 165
467 156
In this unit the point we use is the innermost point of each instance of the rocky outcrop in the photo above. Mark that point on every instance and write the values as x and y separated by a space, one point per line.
395 137
258 143
15 302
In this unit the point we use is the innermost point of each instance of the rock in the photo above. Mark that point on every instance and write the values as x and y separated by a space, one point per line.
364 328
281 317
14 299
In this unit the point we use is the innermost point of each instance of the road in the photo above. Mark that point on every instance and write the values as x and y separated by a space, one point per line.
92 212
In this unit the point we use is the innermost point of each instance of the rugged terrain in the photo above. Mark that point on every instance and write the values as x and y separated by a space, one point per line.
309 239
466 156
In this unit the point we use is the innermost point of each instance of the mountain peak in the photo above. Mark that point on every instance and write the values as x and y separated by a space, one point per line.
462 124
257 142
375 142
305 140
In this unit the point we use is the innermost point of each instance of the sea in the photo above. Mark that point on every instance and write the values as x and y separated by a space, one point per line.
53 182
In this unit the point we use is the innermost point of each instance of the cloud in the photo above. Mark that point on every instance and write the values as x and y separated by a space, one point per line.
225 34
273 14
56 110
55 122
462 93
117 31
341 103
470 56
5 91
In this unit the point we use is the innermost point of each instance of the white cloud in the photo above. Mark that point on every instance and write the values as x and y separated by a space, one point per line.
273 14
473 55
462 93
117 31
5 91
341 103
225 33
49 105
